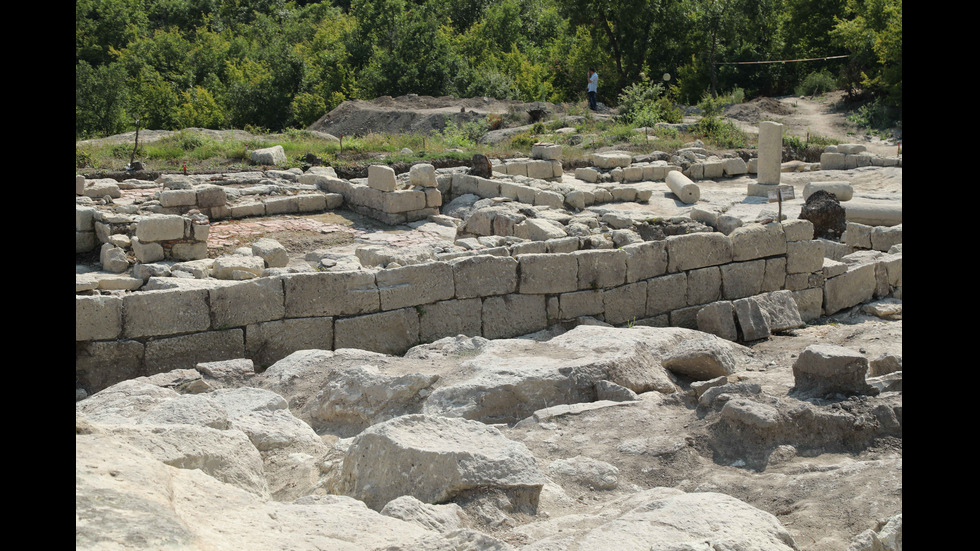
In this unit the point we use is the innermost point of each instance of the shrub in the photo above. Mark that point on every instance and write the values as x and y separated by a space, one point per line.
816 83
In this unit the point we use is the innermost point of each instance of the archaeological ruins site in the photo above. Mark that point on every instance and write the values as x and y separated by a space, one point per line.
670 351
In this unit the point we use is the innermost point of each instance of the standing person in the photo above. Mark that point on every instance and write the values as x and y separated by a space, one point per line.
593 87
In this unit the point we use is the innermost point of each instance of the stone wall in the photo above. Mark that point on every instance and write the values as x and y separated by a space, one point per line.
660 283
848 156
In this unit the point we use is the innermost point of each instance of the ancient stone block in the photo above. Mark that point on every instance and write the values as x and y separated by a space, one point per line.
484 275
246 303
508 316
548 273
415 284
742 279
391 332
666 293
165 312
697 250
98 317
758 241
450 318
331 294
271 341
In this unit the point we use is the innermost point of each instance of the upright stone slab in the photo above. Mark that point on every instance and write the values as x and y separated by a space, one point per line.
381 177
770 152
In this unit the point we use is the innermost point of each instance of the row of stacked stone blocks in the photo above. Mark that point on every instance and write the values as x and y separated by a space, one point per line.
544 164
380 197
657 283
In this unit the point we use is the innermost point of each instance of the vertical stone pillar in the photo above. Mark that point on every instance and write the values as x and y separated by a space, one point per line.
770 152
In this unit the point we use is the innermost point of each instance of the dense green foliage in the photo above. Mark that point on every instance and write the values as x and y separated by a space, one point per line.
278 64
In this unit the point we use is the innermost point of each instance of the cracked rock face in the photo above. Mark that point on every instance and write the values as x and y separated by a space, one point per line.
582 439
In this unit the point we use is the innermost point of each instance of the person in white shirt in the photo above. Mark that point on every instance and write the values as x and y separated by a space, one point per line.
593 87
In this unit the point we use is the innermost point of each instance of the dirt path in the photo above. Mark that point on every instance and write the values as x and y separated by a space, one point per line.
804 116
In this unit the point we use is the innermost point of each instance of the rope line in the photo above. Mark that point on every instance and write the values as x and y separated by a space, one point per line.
778 61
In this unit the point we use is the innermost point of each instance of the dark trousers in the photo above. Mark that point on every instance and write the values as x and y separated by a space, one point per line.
592 104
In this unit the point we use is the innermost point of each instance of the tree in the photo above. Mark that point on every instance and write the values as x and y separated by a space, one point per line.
873 35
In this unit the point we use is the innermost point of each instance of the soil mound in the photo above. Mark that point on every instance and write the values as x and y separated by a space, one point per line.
414 114
752 111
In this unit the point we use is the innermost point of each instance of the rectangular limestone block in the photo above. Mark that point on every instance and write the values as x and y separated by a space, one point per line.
281 205
463 184
735 166
775 276
186 351
857 236
849 289
587 174
517 168
508 316
160 227
742 279
391 332
381 178
268 342
714 169
645 260
210 195
798 230
703 285
433 198
809 302
546 151
311 202
366 196
84 218
415 284
697 250
804 256
450 318
248 302
580 303
601 269
243 210
633 174
403 201
487 188
178 198
770 152
484 275
833 161
547 198
626 303
562 244
547 273
685 317
98 317
101 364
165 312
753 241
330 294
666 293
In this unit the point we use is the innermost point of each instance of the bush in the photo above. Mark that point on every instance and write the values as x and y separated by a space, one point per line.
816 83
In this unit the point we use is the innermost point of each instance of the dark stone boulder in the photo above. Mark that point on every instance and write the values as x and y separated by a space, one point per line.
827 215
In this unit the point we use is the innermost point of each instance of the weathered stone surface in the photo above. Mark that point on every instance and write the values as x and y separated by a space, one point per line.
247 303
165 312
436 460
548 273
611 159
422 175
270 250
697 250
186 351
718 318
586 471
484 275
160 227
225 267
415 285
823 369
825 212
645 260
666 293
331 294
511 315
804 256
391 332
381 177
742 279
701 359
601 269
853 287
269 342
98 317
758 241
274 155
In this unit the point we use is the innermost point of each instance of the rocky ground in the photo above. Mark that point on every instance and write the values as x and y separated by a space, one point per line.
226 458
